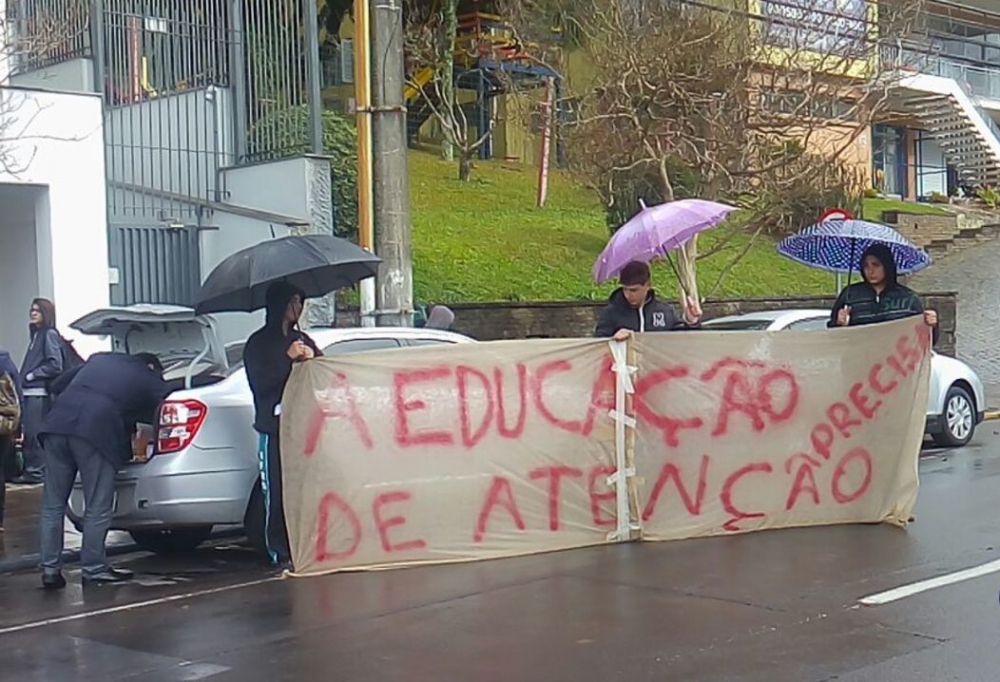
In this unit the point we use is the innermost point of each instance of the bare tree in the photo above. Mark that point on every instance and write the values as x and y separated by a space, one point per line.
710 100
50 33
431 48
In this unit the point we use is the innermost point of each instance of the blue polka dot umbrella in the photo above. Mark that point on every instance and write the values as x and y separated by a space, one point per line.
837 245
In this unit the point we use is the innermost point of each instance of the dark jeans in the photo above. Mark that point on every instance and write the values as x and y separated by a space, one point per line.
67 455
35 410
275 531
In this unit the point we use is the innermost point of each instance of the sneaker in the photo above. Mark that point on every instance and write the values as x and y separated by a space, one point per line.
109 576
53 581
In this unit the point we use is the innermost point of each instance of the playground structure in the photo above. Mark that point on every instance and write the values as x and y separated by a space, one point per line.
490 61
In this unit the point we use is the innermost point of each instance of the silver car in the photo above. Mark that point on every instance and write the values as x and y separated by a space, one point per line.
957 400
201 469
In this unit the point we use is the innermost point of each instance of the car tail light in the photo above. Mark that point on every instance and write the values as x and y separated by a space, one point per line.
178 424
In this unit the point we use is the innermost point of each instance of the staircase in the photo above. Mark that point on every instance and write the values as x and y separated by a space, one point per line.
967 135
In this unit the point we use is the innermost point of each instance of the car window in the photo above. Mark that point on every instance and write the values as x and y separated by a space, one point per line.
234 354
359 346
428 342
810 324
738 325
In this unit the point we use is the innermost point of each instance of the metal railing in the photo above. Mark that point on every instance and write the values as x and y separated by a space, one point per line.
983 81
41 33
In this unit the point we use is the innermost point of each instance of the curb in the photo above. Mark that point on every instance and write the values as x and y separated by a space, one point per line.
27 562
991 415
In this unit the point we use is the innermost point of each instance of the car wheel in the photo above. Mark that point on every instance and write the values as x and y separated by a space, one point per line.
255 521
958 422
171 540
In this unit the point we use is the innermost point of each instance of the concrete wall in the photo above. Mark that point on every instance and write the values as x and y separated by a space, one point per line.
55 145
279 187
75 75
19 277
175 144
494 321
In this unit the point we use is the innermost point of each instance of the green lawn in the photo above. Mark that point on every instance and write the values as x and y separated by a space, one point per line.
875 207
486 241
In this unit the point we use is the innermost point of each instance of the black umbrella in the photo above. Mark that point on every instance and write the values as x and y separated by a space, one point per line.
316 263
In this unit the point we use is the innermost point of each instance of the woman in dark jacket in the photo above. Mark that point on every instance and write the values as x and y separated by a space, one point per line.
42 363
879 297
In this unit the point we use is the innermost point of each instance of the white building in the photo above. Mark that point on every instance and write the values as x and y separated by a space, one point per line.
171 134
53 221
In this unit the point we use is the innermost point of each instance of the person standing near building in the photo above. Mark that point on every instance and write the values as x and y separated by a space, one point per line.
89 432
43 362
268 357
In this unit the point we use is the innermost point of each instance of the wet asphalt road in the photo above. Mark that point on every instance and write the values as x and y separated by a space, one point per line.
776 606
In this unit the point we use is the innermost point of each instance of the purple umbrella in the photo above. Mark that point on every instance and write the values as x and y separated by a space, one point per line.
655 230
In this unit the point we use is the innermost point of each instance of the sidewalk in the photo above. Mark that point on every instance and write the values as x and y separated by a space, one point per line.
19 543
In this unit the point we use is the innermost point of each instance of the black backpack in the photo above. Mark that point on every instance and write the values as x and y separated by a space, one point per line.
71 359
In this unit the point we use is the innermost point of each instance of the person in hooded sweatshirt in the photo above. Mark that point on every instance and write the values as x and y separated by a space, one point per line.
879 297
268 357
43 362
633 307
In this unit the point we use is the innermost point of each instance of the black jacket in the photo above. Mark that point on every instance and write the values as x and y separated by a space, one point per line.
102 400
870 307
265 357
654 316
44 359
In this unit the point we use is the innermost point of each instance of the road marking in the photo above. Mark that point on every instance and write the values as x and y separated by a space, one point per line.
930 584
137 605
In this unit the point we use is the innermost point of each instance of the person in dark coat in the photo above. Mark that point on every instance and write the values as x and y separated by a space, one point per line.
89 431
8 372
879 297
633 307
268 357
43 362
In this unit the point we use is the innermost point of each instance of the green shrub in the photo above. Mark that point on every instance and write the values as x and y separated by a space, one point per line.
285 132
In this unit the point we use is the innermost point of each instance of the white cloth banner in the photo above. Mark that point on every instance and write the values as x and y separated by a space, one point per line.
479 451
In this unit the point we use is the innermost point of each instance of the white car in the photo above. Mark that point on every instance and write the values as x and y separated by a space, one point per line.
202 469
957 400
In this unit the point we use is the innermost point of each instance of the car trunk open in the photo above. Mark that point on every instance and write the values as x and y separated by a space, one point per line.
186 344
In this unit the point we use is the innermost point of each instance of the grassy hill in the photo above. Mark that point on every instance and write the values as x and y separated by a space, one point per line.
486 241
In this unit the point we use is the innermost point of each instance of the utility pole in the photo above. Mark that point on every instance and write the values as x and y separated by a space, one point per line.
390 172
363 104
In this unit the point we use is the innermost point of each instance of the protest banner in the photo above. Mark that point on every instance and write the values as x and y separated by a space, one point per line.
448 453
740 432
479 451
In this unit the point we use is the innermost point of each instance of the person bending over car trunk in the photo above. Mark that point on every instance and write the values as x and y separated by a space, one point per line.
268 357
89 432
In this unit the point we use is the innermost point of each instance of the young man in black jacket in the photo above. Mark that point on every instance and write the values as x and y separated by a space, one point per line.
633 307
268 357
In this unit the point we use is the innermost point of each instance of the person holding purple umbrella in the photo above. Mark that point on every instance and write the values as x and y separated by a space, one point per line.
879 297
633 307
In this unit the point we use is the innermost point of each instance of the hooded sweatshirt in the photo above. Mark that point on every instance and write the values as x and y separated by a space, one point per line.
870 307
652 316
265 357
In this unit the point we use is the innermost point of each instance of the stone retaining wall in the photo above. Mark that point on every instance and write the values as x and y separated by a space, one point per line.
494 321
